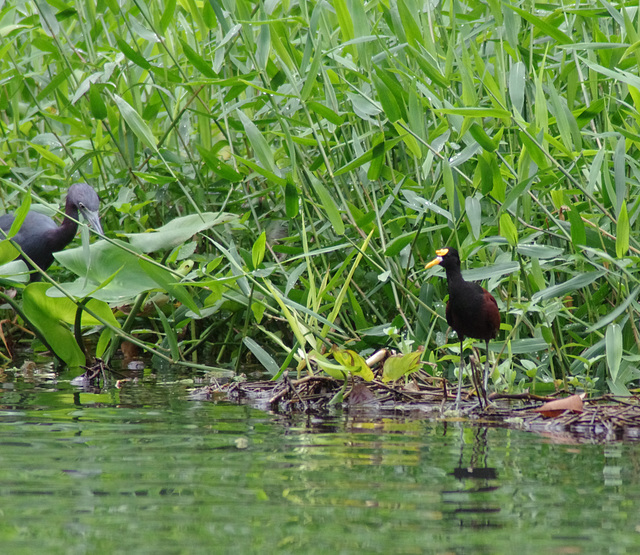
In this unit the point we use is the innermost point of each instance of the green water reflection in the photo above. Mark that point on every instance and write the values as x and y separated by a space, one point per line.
144 470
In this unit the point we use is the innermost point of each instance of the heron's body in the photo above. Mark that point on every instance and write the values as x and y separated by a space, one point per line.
39 236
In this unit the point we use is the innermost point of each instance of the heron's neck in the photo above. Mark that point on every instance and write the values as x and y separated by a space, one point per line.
67 230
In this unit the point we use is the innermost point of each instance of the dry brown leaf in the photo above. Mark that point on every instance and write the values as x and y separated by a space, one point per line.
360 394
557 407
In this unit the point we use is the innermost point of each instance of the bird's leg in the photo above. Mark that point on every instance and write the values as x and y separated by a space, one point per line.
486 369
460 374
477 382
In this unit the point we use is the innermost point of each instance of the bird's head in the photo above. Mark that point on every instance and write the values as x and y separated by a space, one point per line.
86 201
445 257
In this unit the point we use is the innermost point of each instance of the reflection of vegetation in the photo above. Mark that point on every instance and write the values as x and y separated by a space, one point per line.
306 161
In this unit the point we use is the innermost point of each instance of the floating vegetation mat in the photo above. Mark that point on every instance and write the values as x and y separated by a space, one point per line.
569 419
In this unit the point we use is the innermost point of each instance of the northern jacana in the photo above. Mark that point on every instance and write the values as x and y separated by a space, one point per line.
471 311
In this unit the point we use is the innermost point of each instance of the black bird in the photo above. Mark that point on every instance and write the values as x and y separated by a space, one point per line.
471 311
39 236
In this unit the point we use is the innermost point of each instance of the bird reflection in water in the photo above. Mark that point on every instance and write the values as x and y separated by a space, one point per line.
473 505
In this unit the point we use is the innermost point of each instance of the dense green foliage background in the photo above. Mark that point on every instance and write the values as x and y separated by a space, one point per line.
332 147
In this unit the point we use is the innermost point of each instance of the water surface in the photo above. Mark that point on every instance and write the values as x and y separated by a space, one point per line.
145 470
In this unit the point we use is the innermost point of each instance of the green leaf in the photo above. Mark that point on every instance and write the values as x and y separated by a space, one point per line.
114 274
561 117
292 318
344 20
615 74
397 366
377 163
43 312
489 272
263 47
257 252
330 208
353 362
291 200
177 231
517 75
578 233
408 139
515 194
482 138
345 286
136 123
14 271
259 143
225 171
263 357
474 215
18 217
97 105
535 150
167 15
132 54
450 188
169 282
399 243
619 174
416 202
388 100
410 24
570 286
48 155
336 371
622 232
198 61
594 170
615 313
508 229
368 156
543 26
325 112
539 251
261 170
477 112
48 21
54 316
169 334
613 341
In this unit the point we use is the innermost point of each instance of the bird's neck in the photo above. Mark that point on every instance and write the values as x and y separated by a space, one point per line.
67 231
454 275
